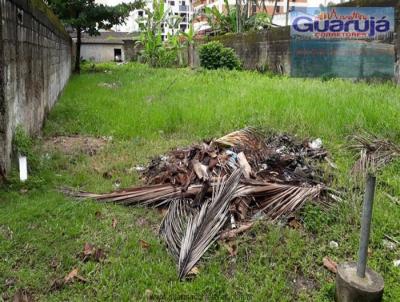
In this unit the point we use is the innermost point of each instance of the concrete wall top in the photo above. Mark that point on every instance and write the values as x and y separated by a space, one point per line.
41 12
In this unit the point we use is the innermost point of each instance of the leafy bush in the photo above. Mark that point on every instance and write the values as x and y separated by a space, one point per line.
259 21
214 55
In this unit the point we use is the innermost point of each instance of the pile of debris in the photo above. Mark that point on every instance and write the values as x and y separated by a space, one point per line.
373 153
218 188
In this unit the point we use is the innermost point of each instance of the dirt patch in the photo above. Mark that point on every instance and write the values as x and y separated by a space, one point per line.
113 85
304 284
76 144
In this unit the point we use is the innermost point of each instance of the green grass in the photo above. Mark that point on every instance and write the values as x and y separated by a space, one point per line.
148 112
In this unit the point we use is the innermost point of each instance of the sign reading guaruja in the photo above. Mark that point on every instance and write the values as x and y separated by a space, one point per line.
355 42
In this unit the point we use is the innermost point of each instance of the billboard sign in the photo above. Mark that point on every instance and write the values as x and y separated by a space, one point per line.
355 42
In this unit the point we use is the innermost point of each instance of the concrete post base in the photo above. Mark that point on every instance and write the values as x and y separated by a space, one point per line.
351 288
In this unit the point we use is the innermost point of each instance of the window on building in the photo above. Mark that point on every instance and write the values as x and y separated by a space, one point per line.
182 27
184 17
117 55
172 3
278 9
140 13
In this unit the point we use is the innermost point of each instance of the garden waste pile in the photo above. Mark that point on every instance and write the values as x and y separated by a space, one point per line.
217 189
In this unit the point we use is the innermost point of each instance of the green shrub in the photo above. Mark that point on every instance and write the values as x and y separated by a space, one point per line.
22 143
214 55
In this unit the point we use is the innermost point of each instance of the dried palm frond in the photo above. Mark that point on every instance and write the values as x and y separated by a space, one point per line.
173 226
279 200
248 137
374 153
154 195
288 200
203 228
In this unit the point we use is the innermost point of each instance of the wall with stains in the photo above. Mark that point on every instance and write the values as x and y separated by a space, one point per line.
35 65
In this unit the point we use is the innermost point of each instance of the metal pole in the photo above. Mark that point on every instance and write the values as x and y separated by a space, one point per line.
287 12
273 13
366 225
237 16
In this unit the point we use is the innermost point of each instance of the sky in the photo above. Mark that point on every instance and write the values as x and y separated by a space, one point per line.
108 2
127 26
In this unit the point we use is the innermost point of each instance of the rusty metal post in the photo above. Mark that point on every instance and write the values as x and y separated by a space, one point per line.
366 225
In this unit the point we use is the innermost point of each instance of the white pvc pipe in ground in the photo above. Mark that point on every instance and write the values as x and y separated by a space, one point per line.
23 168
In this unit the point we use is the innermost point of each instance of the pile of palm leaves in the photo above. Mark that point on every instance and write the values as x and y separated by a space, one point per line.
374 153
216 189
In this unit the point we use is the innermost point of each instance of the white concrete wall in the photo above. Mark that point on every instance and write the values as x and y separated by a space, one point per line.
35 59
100 52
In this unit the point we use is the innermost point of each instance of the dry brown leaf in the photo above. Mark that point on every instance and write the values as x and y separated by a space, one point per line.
244 165
54 263
88 249
107 175
98 215
232 248
114 223
22 296
71 276
330 265
295 224
162 211
93 253
194 271
148 293
99 255
57 284
144 244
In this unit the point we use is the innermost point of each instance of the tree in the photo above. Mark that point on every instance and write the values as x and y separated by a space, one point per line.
156 52
88 16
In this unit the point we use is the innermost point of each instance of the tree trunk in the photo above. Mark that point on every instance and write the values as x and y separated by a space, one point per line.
78 50
3 110
191 55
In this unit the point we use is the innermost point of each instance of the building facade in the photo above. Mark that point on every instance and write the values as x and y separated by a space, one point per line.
178 9
108 46
181 9
277 9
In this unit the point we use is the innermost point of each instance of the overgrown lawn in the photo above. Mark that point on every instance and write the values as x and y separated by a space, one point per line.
145 112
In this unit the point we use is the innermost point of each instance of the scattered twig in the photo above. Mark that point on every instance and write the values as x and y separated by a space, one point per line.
392 198
231 234
391 239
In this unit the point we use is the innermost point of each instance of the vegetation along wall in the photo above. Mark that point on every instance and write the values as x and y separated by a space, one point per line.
35 64
261 50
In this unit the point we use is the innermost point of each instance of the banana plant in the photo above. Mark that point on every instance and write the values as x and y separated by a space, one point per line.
189 41
175 43
223 22
151 33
